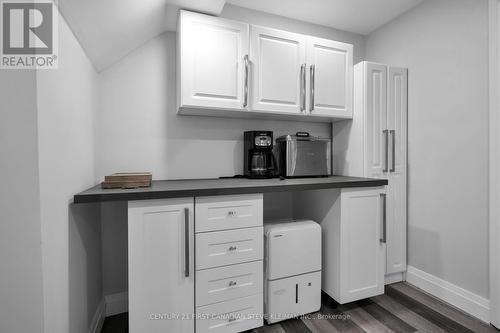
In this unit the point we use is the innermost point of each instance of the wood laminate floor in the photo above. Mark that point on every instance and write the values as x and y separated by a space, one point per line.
402 309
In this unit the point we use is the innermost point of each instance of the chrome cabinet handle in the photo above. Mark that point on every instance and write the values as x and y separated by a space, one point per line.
302 87
312 74
245 101
386 136
393 168
186 242
383 239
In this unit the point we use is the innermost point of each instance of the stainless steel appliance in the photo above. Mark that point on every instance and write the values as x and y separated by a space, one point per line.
302 155
259 161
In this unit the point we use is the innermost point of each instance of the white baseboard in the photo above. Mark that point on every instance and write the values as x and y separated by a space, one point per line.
395 277
98 319
116 303
465 300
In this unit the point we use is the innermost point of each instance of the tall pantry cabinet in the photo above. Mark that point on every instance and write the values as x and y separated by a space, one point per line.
374 145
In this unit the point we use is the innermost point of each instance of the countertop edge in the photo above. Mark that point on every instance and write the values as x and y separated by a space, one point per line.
82 197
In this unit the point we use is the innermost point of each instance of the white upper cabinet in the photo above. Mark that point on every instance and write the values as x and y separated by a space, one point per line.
278 63
330 77
229 68
212 62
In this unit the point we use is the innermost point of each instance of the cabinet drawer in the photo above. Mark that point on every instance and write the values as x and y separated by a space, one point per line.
228 212
232 316
221 248
230 282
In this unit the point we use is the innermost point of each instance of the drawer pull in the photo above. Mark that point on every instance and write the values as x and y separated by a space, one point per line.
232 283
232 248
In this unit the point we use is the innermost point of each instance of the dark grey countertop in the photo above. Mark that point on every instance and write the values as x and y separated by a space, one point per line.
162 189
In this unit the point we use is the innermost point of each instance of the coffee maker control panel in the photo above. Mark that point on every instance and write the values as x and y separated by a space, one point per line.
263 141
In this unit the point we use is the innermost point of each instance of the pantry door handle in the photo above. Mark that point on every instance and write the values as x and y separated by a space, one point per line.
312 74
393 168
302 87
245 102
386 137
383 239
186 242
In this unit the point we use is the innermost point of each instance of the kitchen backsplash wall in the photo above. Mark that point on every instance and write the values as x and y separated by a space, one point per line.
138 128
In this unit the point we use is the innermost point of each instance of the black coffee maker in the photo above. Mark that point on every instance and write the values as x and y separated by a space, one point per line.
259 160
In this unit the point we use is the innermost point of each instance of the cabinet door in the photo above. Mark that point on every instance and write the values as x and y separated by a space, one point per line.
397 110
362 250
375 108
212 66
161 265
330 77
278 60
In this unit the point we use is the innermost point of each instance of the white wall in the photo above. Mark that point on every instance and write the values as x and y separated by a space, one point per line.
21 296
115 247
444 44
301 27
67 103
138 129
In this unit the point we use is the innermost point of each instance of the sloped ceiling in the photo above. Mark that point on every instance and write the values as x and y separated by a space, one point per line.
110 29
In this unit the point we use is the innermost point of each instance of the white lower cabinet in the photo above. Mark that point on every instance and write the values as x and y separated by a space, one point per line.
229 266
233 316
161 265
360 245
228 247
353 246
229 282
229 263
